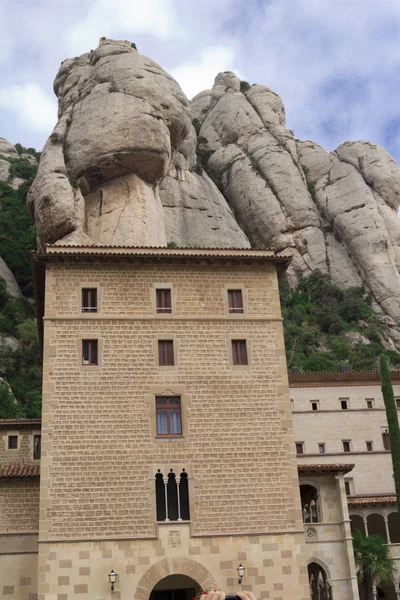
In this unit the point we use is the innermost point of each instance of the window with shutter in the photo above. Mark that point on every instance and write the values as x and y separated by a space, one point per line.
239 352
386 440
37 443
166 353
89 300
163 301
235 301
13 442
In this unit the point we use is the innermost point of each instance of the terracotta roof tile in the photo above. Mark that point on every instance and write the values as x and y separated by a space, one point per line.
19 470
332 468
21 422
356 500
314 379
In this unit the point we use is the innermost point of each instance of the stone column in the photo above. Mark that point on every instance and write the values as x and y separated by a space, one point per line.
347 537
387 529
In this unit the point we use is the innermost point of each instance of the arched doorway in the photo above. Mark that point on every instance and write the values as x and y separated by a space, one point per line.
318 581
175 587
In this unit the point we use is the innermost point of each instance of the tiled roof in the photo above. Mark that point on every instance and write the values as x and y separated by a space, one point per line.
357 500
20 422
332 468
55 250
19 470
313 379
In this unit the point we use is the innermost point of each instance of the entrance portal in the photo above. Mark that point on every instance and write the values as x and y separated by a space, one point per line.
175 587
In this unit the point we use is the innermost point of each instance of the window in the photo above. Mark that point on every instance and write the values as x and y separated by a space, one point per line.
370 402
239 352
168 415
346 446
321 448
89 300
397 402
163 301
235 301
370 446
344 403
314 404
347 488
172 496
165 353
299 447
310 504
13 442
37 444
89 352
386 439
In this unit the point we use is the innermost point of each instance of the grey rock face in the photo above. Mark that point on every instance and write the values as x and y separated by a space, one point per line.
7 149
124 146
336 212
11 284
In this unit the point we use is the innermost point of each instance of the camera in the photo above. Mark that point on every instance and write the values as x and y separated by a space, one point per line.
231 597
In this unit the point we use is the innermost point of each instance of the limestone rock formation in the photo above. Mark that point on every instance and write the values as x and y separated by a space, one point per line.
11 284
336 212
124 166
117 169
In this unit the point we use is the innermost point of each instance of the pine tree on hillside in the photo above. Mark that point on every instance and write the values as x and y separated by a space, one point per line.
393 423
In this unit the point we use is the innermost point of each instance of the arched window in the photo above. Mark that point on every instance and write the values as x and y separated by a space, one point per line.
394 528
356 524
172 496
310 504
320 588
376 525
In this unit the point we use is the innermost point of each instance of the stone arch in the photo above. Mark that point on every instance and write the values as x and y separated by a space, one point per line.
319 580
179 565
321 563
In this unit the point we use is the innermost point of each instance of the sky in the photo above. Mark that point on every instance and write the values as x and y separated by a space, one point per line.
335 63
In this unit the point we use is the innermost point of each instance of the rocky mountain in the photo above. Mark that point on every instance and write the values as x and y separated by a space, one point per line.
131 161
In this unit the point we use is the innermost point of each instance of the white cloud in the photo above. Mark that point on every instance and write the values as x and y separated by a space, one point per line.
114 18
33 108
198 74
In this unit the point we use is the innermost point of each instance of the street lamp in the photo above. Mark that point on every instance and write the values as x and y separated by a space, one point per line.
240 571
113 578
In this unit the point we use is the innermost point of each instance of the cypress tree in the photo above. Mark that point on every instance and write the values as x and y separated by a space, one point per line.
393 424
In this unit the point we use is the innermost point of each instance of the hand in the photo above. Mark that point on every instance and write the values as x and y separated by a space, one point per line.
246 595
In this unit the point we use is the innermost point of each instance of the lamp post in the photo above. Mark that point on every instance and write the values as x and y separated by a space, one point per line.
240 571
113 578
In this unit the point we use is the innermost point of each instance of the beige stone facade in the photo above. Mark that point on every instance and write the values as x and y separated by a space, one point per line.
102 451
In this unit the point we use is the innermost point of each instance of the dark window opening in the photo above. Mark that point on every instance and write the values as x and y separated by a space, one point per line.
172 497
168 415
37 446
310 504
235 301
347 488
369 446
163 301
321 448
299 448
89 300
314 405
346 446
165 353
239 352
89 352
370 404
386 440
12 442
397 402
343 404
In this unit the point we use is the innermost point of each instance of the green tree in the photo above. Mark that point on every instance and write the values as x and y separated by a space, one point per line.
8 407
393 424
373 561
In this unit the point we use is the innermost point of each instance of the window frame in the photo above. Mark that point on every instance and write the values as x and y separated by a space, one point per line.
13 436
90 291
316 403
237 346
370 401
163 310
369 446
349 446
169 409
346 401
37 450
386 440
163 355
301 446
323 446
90 342
232 298
397 400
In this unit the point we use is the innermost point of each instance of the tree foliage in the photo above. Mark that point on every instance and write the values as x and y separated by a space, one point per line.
373 561
393 424
327 328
